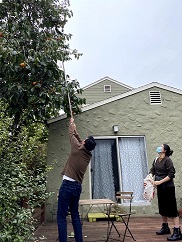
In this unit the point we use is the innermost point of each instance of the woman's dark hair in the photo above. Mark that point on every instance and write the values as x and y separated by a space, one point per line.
168 150
90 143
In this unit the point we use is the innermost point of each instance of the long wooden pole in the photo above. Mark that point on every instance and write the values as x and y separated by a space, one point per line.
69 101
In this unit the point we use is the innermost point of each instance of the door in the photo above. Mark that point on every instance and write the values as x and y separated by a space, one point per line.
111 173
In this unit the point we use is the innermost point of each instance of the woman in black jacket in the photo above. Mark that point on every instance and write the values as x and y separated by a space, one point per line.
164 172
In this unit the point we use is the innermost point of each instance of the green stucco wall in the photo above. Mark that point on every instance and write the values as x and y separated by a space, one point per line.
135 116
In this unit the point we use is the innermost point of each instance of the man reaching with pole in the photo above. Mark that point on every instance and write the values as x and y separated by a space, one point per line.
70 190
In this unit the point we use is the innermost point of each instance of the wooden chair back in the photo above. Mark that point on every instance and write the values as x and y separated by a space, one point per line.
123 196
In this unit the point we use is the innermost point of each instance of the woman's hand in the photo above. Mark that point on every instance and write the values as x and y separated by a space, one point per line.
156 183
149 178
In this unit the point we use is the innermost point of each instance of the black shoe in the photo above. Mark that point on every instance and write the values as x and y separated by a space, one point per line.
176 235
164 230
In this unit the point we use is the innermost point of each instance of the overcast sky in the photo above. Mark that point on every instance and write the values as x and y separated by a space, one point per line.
132 41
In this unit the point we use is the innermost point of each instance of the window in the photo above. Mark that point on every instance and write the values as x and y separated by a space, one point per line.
155 97
104 169
107 88
119 164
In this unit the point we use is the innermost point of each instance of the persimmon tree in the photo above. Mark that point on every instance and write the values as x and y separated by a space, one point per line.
32 42
33 89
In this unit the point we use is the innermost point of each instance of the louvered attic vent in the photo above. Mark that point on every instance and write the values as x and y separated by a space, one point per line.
155 97
107 88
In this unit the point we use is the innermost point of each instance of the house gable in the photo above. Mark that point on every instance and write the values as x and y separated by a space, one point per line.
103 89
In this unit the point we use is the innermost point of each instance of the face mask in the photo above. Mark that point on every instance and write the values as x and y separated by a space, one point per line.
159 149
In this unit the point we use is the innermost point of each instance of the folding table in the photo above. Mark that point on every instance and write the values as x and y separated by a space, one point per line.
98 203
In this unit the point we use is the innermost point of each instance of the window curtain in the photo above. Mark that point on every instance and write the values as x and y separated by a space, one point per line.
133 165
102 170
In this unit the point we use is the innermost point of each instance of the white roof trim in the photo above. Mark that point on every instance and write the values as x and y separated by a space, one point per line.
108 78
120 96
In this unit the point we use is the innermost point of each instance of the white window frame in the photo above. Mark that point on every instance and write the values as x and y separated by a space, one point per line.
107 86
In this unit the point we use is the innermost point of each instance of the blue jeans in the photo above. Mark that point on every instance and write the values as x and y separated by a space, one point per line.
69 195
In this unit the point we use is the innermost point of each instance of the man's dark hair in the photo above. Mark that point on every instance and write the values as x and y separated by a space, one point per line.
90 143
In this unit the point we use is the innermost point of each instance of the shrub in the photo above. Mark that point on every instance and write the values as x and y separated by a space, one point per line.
23 172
